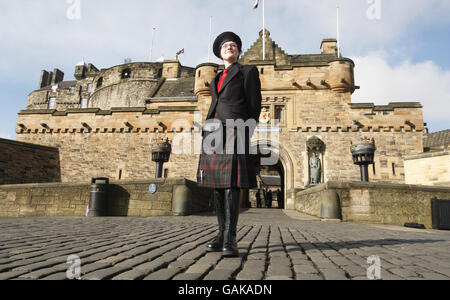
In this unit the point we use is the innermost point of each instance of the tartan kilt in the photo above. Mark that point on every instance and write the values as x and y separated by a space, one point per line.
224 171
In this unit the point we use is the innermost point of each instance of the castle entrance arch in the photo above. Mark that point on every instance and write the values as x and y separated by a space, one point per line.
277 172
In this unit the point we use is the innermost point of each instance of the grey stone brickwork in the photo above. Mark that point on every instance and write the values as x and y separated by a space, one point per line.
124 198
28 163
383 203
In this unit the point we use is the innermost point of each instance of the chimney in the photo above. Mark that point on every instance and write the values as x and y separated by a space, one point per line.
171 69
58 76
45 79
329 46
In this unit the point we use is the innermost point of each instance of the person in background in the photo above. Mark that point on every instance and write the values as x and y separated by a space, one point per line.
258 199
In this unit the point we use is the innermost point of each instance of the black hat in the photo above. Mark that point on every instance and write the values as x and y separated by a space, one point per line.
226 37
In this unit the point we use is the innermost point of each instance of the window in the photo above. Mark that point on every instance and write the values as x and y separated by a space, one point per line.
274 112
84 103
280 114
393 169
126 73
100 82
52 103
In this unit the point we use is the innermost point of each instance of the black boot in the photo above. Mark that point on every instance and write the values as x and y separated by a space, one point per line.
231 220
216 245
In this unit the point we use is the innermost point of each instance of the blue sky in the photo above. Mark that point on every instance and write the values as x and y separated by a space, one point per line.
400 47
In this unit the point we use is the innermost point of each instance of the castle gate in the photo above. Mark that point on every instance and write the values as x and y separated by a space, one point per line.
277 158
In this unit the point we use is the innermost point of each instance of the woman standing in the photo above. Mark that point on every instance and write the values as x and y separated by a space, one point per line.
236 98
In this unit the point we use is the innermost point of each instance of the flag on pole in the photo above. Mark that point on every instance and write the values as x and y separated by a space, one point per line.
255 6
180 52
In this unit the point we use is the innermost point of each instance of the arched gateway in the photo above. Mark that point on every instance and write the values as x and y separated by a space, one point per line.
275 154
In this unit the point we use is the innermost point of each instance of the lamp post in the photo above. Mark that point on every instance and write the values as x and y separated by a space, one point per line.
363 155
161 150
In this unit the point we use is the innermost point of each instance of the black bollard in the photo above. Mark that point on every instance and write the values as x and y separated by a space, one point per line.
98 203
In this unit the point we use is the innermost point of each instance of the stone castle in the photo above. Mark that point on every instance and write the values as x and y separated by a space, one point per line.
103 123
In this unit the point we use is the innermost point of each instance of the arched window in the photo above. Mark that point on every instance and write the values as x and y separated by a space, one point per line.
126 73
100 82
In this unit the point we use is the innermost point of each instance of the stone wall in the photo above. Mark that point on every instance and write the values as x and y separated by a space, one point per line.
100 143
428 168
128 198
106 147
394 204
25 163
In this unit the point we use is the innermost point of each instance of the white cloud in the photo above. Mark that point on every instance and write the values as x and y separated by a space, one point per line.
423 82
300 25
109 31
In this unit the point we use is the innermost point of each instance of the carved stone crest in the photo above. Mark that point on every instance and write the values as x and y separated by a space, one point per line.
265 116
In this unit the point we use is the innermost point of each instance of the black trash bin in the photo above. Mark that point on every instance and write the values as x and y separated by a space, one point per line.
98 204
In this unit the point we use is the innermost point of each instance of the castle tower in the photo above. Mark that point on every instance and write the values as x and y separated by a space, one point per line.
341 75
204 74
80 70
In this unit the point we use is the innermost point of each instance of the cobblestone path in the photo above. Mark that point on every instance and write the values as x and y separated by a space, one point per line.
274 245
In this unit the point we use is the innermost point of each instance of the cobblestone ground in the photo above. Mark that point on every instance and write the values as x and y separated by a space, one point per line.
274 244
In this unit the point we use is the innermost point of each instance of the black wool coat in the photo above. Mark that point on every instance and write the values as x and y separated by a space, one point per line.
223 166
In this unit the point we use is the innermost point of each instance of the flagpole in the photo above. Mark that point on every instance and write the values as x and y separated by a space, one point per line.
338 36
151 49
264 29
210 35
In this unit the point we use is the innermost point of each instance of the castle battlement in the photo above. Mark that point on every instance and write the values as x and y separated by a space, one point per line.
160 119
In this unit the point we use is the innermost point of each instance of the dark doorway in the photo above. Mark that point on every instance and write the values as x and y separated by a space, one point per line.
271 187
